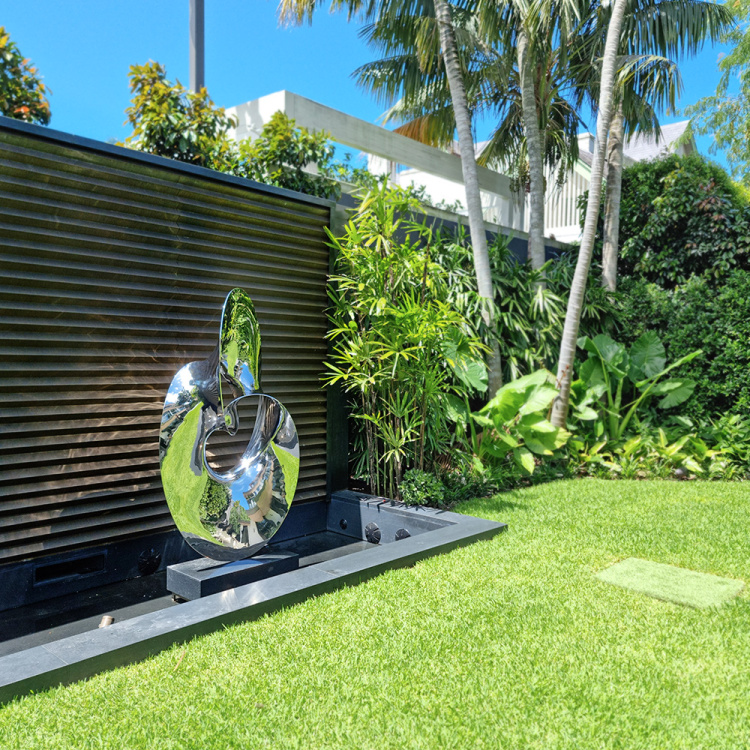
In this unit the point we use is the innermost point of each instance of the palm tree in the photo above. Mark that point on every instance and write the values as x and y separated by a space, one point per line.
534 142
611 234
415 78
528 31
578 287
639 84
299 10
655 35
645 85
471 180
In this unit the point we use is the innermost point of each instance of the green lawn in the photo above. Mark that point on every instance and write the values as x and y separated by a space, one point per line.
511 643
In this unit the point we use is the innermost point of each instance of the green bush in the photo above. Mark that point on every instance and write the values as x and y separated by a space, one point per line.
462 484
168 120
281 154
421 488
699 315
682 216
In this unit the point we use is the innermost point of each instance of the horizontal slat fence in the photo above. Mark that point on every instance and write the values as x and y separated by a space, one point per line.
114 269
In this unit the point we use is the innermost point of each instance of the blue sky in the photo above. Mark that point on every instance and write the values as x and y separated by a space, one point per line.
83 49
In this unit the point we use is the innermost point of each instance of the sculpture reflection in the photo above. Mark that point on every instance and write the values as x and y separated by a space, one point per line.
227 515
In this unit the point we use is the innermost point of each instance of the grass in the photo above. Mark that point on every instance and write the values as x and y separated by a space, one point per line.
511 643
672 584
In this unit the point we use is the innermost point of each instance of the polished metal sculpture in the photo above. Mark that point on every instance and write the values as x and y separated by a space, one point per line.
227 515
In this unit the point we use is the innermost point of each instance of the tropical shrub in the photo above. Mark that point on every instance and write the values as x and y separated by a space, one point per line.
398 348
529 315
680 449
624 425
282 155
168 120
730 435
362 178
700 314
23 95
652 454
422 488
515 422
614 383
462 483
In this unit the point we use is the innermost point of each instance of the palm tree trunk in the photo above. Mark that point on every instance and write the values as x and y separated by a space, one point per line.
535 149
578 287
612 201
471 178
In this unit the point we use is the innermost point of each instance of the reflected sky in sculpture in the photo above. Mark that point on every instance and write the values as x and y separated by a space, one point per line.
227 515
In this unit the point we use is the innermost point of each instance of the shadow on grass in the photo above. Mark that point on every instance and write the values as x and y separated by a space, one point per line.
494 504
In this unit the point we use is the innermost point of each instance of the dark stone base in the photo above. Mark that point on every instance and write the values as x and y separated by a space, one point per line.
198 578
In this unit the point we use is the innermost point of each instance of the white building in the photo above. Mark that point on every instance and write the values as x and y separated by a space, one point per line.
561 216
405 161
408 162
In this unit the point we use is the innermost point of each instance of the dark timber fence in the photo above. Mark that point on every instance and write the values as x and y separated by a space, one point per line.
114 268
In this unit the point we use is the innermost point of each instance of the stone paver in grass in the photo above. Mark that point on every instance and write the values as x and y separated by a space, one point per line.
671 584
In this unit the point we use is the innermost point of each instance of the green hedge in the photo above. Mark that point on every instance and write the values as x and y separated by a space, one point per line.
702 315
682 216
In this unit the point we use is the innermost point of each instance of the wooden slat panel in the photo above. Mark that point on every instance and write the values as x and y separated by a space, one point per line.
114 273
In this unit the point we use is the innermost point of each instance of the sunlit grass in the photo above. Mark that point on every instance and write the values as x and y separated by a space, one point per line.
510 643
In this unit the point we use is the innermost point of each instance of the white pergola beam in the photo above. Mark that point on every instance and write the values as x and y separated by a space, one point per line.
363 136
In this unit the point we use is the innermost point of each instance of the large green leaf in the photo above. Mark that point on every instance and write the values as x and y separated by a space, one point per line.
467 367
591 372
647 357
496 450
585 414
483 421
586 400
524 459
674 390
538 377
537 423
504 406
538 399
681 361
608 350
535 445
455 409
473 373
501 436
541 436
527 395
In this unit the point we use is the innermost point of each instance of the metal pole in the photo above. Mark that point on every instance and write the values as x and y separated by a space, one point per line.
197 51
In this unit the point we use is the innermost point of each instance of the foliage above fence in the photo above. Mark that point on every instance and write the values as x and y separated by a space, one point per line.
23 94
168 120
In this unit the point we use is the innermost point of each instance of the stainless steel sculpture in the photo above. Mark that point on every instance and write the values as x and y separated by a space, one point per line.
227 515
